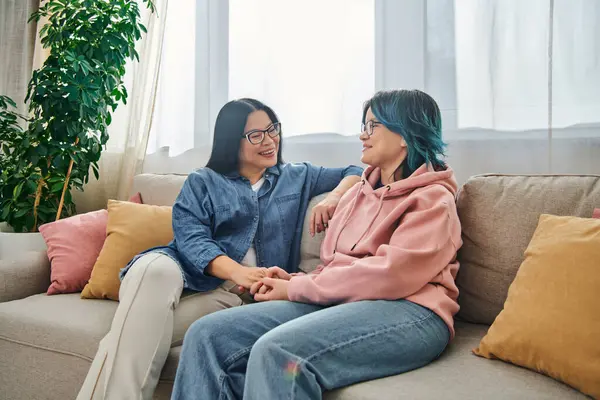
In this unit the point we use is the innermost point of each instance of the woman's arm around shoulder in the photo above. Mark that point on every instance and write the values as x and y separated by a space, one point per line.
334 181
338 180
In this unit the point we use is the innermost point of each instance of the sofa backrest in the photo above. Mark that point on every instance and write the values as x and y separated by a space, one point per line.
499 214
158 190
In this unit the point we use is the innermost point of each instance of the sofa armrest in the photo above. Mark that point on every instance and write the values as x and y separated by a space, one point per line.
24 275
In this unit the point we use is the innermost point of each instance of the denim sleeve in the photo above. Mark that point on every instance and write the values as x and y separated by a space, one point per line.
192 213
324 180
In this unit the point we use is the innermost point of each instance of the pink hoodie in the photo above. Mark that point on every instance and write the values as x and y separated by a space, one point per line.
395 242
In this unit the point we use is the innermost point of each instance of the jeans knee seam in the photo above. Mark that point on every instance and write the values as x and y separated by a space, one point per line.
336 346
368 335
236 356
230 360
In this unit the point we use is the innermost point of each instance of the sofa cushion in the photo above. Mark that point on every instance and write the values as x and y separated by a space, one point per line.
23 275
73 247
458 374
74 244
158 190
555 291
499 214
67 324
131 229
34 373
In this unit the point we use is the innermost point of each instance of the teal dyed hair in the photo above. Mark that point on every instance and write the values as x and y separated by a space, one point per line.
415 116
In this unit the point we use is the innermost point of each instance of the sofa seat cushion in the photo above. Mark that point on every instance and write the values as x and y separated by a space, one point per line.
459 374
67 324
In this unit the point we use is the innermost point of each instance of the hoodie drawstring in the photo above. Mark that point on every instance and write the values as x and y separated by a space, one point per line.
347 217
374 216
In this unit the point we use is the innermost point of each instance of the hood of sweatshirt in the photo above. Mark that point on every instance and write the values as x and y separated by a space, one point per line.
422 177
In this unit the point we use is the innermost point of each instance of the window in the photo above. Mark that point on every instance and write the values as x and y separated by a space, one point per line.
173 124
312 61
516 81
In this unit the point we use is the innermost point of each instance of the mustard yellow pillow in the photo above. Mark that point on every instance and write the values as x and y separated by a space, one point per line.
551 319
131 228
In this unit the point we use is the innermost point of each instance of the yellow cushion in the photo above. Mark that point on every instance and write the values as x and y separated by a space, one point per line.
131 229
551 319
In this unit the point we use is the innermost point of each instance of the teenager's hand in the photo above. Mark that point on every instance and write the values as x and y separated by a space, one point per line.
274 289
273 272
322 213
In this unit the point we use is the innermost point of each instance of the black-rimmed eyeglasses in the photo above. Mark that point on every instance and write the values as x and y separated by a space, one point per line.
368 127
257 136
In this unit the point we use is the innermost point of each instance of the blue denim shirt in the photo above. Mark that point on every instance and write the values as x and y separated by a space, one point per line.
217 214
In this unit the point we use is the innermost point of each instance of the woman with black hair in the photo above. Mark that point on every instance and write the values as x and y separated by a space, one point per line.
233 221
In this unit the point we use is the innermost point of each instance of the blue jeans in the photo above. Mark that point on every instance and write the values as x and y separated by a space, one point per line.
286 350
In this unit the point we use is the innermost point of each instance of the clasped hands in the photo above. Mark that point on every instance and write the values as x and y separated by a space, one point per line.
265 284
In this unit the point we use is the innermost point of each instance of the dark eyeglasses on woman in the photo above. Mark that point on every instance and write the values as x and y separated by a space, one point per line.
368 127
257 136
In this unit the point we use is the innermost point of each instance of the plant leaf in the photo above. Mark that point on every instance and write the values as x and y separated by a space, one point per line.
96 172
18 189
57 187
22 212
32 186
5 211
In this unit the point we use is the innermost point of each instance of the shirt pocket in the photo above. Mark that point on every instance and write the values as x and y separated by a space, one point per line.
222 215
289 210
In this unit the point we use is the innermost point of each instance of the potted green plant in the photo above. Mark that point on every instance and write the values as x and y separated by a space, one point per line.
71 98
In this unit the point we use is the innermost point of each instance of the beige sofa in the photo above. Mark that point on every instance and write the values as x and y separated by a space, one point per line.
47 342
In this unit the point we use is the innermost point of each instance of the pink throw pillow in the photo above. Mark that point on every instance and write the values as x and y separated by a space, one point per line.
136 198
596 213
74 244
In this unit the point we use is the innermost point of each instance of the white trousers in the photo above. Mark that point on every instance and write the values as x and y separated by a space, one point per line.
131 356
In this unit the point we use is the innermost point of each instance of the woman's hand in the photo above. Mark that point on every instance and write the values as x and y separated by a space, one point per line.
273 289
273 272
322 213
278 273
244 277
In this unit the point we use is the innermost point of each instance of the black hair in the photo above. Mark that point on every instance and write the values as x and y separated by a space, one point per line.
229 131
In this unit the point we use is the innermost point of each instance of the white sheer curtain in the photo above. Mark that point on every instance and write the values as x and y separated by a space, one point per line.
20 52
315 75
192 84
515 57
312 61
174 112
517 81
